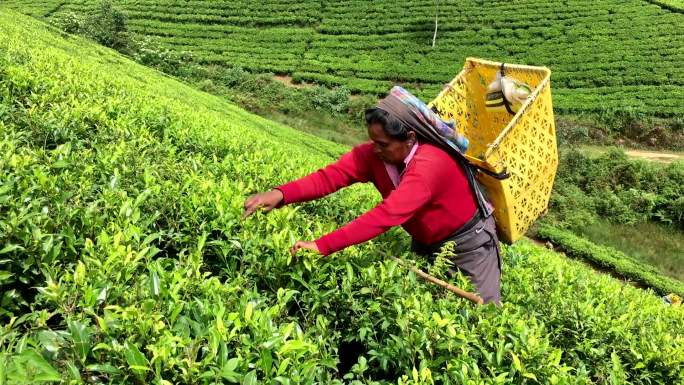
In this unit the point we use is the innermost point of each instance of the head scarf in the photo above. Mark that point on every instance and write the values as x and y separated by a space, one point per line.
415 115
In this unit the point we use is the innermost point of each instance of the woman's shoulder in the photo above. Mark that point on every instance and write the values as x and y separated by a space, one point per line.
430 151
364 150
366 146
436 165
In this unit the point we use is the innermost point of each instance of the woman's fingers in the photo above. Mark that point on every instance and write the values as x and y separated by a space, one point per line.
296 247
304 245
251 205
265 200
249 210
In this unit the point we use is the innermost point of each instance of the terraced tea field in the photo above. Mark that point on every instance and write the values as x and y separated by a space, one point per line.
605 54
123 257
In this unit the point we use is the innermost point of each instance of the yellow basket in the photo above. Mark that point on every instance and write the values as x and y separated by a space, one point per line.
523 144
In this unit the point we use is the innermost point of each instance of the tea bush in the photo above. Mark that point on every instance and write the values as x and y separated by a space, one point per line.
613 187
672 5
607 58
611 259
124 258
615 102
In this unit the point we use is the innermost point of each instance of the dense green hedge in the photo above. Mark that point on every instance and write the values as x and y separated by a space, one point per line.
615 188
606 56
672 5
125 260
611 259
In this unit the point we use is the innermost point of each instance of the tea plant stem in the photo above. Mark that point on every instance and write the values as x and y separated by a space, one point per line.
434 37
299 306
474 298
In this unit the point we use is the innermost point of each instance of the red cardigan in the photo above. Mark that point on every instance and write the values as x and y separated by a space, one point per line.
432 200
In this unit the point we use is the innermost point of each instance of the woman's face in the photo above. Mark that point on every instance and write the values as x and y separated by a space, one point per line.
388 149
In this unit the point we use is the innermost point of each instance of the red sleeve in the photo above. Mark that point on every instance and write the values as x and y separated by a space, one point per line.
411 194
352 167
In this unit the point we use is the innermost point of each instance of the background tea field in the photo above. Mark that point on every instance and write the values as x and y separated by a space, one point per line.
605 55
125 260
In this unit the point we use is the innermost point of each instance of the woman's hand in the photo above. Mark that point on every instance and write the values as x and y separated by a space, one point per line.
304 245
267 201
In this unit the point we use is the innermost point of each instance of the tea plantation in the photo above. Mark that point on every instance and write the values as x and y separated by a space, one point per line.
123 258
606 55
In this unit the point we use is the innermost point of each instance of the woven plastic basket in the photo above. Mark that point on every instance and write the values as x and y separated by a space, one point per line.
524 144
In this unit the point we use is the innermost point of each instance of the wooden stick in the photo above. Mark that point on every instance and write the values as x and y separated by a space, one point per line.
474 298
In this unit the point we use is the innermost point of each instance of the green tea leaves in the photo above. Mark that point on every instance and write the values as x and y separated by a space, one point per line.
228 371
250 378
135 359
31 367
129 262
81 337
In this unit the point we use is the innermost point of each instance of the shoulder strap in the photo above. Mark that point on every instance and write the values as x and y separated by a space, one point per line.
506 102
470 169
432 136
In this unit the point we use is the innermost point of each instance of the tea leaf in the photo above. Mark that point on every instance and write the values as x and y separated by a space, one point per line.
80 335
10 248
154 284
135 359
250 378
516 362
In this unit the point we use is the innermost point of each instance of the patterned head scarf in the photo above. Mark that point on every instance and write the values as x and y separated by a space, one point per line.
414 114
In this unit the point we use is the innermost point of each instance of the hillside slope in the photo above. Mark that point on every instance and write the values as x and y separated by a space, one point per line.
124 259
604 54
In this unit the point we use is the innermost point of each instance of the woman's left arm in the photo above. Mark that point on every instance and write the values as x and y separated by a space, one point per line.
352 167
401 204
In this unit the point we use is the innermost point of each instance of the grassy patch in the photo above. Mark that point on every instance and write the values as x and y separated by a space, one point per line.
610 258
658 245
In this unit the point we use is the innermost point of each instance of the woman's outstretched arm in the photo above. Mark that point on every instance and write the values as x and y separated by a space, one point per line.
352 167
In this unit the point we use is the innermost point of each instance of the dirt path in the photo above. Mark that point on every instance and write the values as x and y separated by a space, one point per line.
287 80
654 156
662 157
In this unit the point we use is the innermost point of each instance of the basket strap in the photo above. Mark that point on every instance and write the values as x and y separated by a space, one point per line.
480 199
506 102
496 175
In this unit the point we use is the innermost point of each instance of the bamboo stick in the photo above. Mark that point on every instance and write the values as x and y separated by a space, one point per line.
474 298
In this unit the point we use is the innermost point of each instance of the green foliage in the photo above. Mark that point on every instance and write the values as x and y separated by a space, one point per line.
264 92
611 189
106 25
313 45
327 113
147 51
652 243
611 259
121 198
71 22
617 189
336 100
609 61
677 124
672 5
628 121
